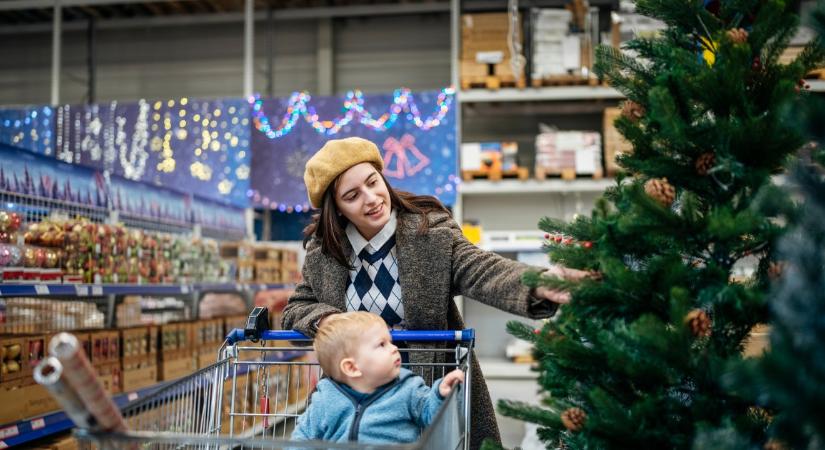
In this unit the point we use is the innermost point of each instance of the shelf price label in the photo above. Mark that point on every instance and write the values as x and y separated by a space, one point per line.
132 396
41 289
38 423
81 291
9 432
97 291
184 289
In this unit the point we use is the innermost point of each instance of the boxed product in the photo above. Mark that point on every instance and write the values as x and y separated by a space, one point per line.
489 157
568 153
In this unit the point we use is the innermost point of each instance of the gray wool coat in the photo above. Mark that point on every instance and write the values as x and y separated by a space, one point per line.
433 268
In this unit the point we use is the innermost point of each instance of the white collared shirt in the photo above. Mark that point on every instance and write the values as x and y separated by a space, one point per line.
373 284
358 242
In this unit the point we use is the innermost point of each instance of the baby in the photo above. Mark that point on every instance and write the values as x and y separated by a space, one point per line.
367 396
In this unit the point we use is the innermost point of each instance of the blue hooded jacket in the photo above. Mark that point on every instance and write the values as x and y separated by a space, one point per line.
395 413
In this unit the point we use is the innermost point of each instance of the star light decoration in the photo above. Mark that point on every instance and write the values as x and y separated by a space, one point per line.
29 128
354 110
196 146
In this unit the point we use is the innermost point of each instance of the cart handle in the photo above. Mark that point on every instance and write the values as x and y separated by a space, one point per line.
237 335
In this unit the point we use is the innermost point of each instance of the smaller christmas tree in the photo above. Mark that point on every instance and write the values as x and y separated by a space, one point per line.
787 380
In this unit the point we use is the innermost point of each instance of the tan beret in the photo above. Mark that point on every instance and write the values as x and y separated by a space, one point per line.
334 158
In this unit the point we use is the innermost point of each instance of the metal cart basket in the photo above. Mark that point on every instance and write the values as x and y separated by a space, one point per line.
252 396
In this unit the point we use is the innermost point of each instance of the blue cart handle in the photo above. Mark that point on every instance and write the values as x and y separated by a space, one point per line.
237 335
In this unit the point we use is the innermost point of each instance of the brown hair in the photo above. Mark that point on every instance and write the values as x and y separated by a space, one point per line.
339 336
329 227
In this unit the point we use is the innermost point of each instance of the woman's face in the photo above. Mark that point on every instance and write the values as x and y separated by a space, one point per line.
363 198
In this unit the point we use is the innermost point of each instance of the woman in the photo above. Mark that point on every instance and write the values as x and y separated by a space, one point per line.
403 257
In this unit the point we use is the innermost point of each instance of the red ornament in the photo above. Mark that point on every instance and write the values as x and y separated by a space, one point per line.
557 238
757 63
568 241
537 331
587 244
546 236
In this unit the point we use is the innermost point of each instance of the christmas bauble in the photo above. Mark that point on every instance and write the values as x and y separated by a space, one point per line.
16 221
5 220
5 256
16 255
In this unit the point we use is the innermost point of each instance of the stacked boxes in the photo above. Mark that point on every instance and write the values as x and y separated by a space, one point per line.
568 153
176 358
485 55
105 358
614 143
208 337
240 256
15 363
139 357
267 264
555 50
290 272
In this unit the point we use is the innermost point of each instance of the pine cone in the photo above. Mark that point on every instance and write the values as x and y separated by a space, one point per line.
699 323
661 191
574 419
773 444
632 110
738 36
775 269
705 162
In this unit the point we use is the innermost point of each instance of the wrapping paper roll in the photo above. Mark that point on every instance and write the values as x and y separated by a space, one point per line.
49 374
82 379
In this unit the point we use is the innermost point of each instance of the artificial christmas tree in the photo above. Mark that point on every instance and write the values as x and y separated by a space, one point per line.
638 357
786 381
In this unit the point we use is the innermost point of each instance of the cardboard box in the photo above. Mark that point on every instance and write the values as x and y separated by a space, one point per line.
614 143
134 342
267 272
61 443
578 152
15 365
110 375
207 356
136 378
176 365
12 401
105 346
38 400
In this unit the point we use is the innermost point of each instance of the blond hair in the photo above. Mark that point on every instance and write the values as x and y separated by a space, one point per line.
339 336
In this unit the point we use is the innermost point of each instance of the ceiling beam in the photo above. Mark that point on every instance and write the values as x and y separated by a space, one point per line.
386 9
10 5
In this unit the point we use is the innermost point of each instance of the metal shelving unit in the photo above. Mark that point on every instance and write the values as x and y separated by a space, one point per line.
559 93
533 186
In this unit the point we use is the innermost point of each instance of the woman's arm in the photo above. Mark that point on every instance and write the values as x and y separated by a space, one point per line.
303 310
494 280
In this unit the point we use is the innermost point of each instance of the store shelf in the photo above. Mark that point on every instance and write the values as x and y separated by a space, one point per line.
539 94
500 368
483 187
28 430
99 290
512 241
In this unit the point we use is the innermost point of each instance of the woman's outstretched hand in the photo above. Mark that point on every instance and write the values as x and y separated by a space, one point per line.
562 296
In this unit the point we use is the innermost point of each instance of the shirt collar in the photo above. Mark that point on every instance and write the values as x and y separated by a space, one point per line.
358 242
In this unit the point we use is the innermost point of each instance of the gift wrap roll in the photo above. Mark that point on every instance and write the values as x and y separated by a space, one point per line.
49 374
82 379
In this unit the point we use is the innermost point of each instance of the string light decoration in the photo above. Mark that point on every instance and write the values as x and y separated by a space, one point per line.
354 110
29 128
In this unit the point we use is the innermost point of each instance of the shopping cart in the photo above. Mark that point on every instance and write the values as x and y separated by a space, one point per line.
253 395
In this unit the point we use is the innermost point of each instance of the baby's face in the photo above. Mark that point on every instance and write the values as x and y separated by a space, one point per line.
377 357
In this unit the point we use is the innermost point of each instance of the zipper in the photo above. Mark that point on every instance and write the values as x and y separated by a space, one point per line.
362 406
356 422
